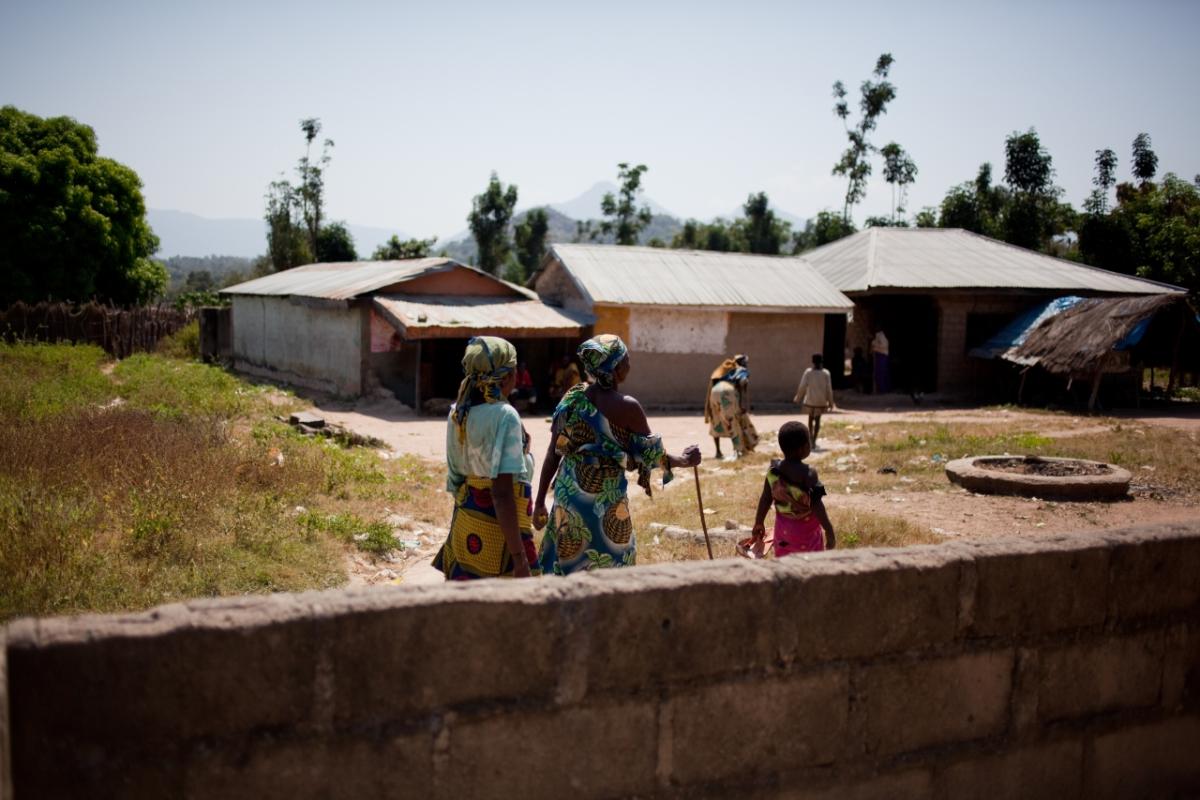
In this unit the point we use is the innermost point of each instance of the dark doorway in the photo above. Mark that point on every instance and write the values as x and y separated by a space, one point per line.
834 348
910 323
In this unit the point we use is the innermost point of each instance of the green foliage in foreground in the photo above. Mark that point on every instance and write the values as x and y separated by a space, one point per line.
124 490
40 380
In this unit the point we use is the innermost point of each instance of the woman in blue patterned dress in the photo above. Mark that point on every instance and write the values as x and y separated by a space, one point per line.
597 434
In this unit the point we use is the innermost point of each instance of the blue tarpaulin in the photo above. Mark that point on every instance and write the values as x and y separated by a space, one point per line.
1015 332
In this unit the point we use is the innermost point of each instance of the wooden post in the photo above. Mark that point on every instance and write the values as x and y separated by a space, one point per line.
417 382
1173 380
1095 387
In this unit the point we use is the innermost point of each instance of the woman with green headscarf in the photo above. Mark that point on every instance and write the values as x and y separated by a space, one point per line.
597 434
489 471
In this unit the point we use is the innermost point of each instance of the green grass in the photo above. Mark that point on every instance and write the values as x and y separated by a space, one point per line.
370 537
174 388
40 380
187 487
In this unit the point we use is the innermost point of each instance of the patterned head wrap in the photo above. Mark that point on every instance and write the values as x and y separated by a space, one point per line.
486 363
600 356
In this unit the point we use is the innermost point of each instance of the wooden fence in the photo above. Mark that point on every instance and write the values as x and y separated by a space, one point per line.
120 331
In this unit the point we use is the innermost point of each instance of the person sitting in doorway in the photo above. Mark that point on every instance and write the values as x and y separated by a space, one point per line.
525 389
565 375
883 371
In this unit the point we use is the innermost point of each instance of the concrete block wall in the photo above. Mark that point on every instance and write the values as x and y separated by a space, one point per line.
1067 667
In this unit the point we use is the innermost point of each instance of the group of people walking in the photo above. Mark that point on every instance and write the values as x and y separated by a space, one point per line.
598 434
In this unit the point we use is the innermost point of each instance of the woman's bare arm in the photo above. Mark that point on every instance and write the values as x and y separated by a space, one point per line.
506 515
545 477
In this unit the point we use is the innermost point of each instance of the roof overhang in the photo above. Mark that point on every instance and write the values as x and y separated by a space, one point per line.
447 317
734 309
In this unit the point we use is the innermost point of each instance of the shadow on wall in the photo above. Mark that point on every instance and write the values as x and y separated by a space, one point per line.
1066 666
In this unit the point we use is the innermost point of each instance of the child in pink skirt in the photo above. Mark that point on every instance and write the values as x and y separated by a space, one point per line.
801 524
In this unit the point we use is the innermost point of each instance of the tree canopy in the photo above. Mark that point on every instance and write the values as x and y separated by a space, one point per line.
490 214
529 236
72 223
622 218
296 233
395 250
855 163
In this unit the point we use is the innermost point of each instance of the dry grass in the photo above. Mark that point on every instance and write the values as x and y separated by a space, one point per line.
172 480
915 454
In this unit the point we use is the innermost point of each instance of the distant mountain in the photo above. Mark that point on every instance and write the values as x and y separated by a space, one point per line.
184 234
587 205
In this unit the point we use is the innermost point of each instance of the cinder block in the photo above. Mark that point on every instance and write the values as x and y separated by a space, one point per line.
111 684
1155 571
1105 674
1154 760
580 752
665 624
910 705
909 784
867 604
767 724
1028 588
328 766
403 660
1181 668
1053 769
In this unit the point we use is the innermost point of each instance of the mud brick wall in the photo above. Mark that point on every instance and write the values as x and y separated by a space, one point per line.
1066 667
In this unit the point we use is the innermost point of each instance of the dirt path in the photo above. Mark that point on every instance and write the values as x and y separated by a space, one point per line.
952 512
957 513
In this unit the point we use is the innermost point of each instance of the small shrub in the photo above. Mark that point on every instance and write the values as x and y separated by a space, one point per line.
183 344
370 537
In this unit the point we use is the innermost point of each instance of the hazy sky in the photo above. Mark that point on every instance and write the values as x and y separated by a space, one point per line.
720 99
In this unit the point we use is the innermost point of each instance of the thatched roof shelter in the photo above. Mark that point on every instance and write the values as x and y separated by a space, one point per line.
1099 335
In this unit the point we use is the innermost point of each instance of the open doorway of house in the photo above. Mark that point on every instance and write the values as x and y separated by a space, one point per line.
910 323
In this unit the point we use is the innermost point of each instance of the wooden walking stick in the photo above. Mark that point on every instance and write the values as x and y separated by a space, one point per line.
700 502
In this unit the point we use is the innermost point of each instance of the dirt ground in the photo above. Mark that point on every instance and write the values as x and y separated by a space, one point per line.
951 512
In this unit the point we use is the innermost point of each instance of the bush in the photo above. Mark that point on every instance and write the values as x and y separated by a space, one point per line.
183 344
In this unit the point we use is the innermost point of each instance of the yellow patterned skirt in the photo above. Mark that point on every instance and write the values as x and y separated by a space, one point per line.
475 547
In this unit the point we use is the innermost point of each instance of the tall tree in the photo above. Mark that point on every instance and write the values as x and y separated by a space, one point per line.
287 242
760 230
395 250
1106 168
1145 162
855 163
72 223
623 219
1033 212
311 191
295 214
335 244
490 214
529 236
1163 221
900 171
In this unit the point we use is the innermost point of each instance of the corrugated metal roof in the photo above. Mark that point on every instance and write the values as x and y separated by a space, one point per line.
432 316
950 258
658 276
343 281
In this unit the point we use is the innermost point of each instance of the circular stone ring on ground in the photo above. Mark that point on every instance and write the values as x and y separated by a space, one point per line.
1036 476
